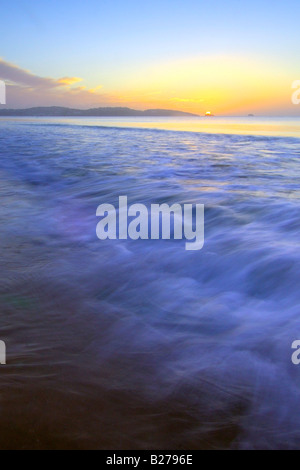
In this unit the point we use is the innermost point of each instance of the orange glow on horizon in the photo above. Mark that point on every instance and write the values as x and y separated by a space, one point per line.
227 85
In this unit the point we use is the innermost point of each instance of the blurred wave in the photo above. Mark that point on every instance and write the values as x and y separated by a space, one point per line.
141 344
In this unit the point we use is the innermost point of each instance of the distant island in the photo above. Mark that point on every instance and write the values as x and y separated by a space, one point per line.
97 112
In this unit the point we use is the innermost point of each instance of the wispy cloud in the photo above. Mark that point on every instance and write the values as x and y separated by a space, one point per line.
224 85
15 75
27 89
69 80
96 89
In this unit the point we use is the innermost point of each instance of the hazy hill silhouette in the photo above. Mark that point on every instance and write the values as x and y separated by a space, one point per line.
61 111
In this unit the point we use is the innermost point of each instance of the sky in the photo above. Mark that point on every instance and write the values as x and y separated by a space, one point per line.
229 57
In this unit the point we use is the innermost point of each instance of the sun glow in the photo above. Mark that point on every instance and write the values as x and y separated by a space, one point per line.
228 85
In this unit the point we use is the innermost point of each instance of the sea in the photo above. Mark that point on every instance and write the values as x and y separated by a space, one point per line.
140 344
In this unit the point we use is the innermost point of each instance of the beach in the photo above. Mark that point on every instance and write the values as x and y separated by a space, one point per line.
140 344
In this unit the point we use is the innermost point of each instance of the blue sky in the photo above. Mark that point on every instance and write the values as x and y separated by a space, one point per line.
108 42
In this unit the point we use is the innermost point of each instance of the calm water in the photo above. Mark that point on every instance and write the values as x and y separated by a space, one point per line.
265 126
141 344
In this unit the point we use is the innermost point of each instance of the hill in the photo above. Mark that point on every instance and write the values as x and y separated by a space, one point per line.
97 112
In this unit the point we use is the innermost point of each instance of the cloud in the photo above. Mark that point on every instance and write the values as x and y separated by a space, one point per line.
25 89
225 85
78 88
96 89
69 80
15 75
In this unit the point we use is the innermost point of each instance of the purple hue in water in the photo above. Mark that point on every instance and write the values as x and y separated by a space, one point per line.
141 344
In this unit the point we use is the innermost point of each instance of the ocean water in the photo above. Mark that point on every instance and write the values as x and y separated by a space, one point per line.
141 344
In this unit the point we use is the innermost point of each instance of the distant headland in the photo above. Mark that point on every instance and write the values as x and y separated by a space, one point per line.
96 112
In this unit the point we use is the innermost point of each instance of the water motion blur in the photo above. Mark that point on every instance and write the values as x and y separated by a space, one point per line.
138 344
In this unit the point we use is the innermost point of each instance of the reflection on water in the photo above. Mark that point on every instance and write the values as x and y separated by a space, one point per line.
141 344
255 126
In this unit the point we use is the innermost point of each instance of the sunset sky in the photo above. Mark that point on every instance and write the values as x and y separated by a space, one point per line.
230 58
